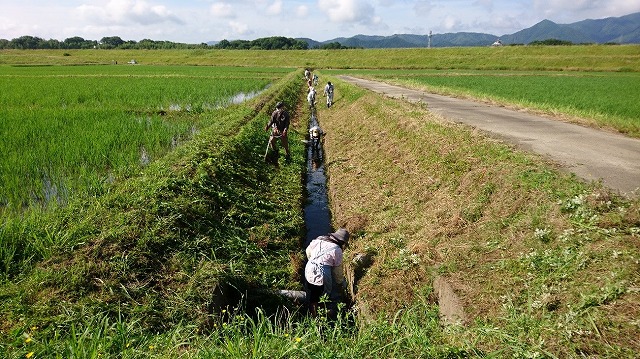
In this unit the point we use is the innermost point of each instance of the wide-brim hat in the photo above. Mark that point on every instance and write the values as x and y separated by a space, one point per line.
341 235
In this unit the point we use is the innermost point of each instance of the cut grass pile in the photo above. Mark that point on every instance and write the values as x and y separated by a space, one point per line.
543 264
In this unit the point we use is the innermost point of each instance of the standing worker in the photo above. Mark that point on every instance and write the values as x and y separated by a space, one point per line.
323 271
279 124
328 92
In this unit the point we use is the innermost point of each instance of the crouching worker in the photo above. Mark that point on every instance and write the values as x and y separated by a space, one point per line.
323 272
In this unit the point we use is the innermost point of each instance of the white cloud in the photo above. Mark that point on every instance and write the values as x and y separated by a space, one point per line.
302 11
349 11
223 10
127 12
238 28
450 23
423 8
199 20
487 4
275 8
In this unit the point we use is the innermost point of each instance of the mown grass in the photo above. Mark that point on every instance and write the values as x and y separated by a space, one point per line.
545 265
604 100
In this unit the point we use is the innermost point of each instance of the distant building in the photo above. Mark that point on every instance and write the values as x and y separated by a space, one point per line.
132 62
497 43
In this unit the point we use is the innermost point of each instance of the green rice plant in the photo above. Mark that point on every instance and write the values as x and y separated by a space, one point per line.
73 130
605 99
171 244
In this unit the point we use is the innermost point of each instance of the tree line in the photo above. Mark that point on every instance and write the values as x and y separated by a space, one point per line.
77 42
115 42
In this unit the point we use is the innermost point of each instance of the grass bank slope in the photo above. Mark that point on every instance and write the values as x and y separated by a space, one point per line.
557 58
543 264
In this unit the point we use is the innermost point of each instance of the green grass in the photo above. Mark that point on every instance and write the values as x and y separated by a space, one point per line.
198 230
538 58
84 126
180 257
542 262
413 333
601 99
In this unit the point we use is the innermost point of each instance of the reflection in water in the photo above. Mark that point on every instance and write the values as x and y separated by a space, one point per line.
316 213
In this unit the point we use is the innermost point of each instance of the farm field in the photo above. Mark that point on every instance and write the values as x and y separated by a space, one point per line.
72 129
180 256
600 99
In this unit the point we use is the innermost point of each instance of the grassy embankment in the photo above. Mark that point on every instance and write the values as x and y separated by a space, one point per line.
534 58
543 263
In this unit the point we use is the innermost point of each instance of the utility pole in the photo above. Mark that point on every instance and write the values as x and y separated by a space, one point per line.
430 34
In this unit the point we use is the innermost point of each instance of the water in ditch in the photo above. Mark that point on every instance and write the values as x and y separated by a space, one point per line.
316 212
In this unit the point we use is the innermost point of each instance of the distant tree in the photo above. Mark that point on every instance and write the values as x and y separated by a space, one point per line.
265 43
111 42
75 42
551 42
26 42
333 46
224 44
50 44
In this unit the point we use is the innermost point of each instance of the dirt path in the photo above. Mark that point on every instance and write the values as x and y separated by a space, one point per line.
589 153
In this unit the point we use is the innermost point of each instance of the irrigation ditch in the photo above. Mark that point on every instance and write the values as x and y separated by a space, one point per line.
317 219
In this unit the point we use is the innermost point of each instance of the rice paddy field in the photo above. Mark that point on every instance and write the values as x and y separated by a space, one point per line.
71 129
598 99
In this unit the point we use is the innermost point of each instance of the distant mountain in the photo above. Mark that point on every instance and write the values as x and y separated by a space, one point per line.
546 30
622 30
625 29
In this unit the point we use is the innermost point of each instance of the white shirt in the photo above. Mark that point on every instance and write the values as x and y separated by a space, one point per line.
323 253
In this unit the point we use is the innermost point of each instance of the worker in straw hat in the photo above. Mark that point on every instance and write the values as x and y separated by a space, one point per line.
323 271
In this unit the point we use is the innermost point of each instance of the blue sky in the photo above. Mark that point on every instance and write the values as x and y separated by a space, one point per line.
197 21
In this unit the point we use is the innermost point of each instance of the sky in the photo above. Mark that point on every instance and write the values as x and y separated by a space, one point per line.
199 21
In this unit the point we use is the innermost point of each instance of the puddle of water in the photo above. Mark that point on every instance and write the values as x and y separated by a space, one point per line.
317 216
238 98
